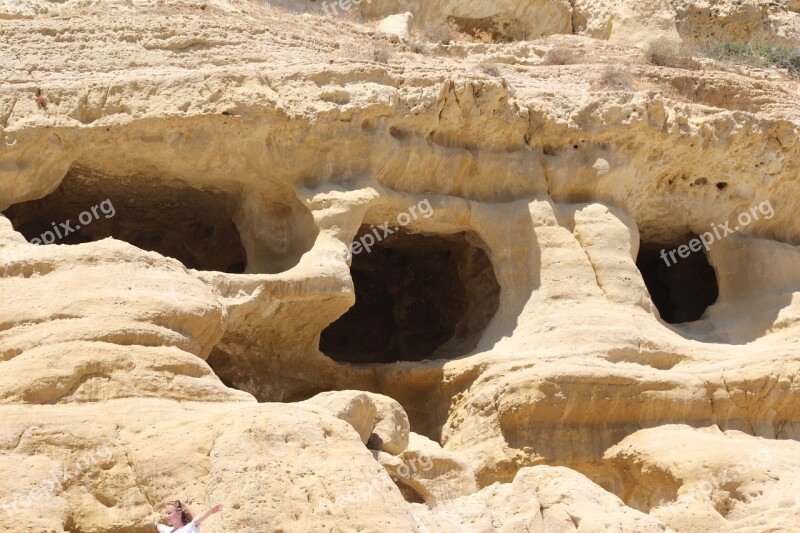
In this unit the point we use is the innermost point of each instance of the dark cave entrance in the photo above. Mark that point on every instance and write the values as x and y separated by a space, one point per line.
418 297
193 226
682 290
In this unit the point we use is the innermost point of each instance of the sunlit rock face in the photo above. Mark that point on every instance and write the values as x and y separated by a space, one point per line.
400 266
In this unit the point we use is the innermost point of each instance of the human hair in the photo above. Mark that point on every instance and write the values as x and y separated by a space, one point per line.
186 516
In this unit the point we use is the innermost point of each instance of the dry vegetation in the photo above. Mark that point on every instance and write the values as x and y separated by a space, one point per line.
560 55
489 69
666 53
475 35
762 52
616 79
417 43
382 52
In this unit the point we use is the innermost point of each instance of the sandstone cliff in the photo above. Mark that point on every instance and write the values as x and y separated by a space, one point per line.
398 268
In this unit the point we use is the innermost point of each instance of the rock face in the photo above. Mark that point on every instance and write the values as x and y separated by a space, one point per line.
432 473
418 266
356 408
391 430
539 499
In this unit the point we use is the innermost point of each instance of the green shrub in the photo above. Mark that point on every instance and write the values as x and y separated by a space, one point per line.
758 54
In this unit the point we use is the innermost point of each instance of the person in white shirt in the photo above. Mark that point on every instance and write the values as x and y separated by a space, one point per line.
180 519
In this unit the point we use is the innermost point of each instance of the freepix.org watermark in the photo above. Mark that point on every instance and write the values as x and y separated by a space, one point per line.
345 5
704 491
368 240
405 471
718 232
85 218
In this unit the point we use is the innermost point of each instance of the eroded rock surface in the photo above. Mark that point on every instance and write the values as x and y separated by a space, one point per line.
340 280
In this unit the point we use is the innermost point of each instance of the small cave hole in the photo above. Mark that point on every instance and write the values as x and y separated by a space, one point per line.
193 226
397 133
682 288
410 494
418 296
491 29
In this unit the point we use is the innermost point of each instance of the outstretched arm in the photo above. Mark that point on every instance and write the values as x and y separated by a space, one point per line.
215 509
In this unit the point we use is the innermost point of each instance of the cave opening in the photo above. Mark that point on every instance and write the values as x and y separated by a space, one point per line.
418 296
190 225
682 288
489 28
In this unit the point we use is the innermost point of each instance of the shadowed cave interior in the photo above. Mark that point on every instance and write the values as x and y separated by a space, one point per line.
418 296
682 290
193 226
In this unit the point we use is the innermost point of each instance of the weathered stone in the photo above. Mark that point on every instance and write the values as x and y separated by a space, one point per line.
299 236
